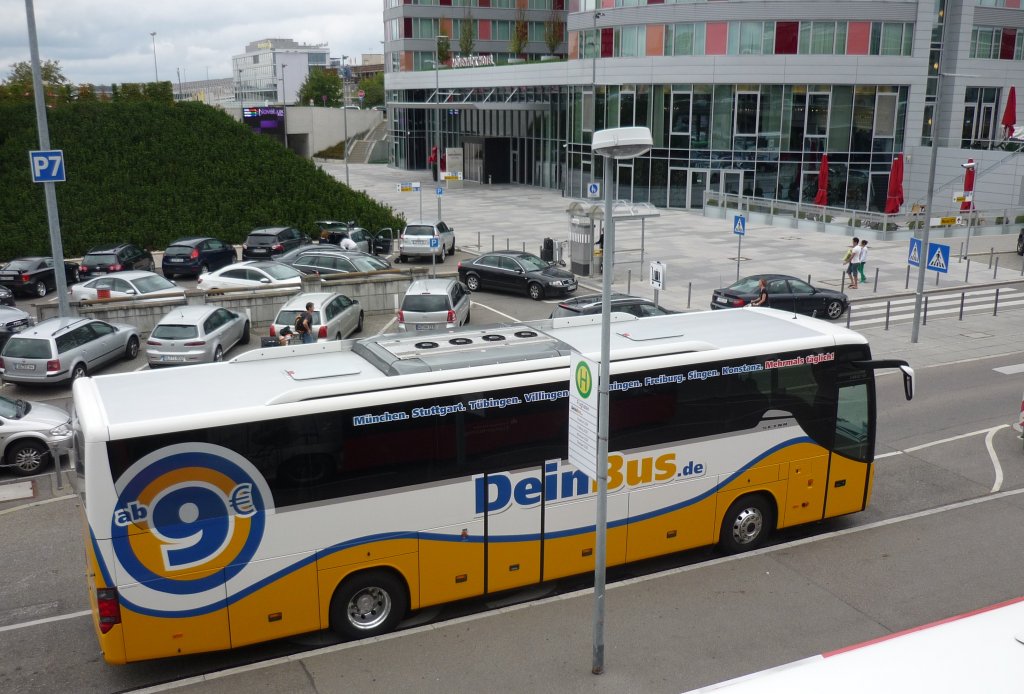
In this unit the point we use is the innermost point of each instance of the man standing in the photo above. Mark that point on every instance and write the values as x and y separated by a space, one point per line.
305 325
863 258
852 262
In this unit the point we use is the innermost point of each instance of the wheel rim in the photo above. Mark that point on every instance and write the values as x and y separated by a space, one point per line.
444 253
835 309
473 283
747 526
133 348
218 354
40 288
535 292
28 459
369 608
77 372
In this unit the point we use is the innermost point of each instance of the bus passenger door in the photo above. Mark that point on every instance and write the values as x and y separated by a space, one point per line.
513 529
850 471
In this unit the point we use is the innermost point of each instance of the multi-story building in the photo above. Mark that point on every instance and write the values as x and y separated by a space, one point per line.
741 96
271 71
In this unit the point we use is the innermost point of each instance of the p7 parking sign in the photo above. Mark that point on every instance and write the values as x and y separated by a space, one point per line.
47 165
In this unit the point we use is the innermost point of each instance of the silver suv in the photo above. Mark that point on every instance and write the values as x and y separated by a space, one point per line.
416 239
31 433
436 304
63 349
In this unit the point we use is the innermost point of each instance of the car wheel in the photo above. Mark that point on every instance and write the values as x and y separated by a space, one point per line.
444 252
359 325
369 603
78 372
1020 245
39 288
834 309
400 259
246 334
204 269
218 354
466 322
27 458
131 350
473 282
75 277
535 291
746 525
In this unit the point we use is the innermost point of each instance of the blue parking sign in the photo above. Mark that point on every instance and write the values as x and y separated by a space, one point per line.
47 165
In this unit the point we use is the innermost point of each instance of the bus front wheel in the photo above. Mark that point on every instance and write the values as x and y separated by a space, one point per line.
747 524
368 604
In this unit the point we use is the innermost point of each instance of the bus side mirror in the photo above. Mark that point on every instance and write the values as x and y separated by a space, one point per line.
908 381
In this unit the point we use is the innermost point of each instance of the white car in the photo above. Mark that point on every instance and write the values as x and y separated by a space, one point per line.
251 274
32 434
126 285
335 316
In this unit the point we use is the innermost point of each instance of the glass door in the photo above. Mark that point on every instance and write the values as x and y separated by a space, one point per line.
698 184
732 182
677 188
624 182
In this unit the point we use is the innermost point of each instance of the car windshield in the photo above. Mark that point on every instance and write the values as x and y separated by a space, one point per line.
259 239
747 285
532 262
178 251
422 303
175 332
27 348
281 272
368 264
99 259
13 409
20 265
287 317
419 230
156 283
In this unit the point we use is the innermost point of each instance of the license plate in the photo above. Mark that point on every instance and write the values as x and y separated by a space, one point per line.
171 357
25 367
721 300
177 260
259 251
426 326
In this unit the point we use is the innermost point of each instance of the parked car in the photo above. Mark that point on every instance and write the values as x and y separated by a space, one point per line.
320 260
416 237
34 275
6 297
622 303
335 316
516 271
785 293
196 335
251 274
126 285
13 321
269 242
102 260
63 349
332 232
32 434
196 255
434 304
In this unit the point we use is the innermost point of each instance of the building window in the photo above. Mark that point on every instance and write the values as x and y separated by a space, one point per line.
680 124
751 38
684 39
630 41
981 107
891 38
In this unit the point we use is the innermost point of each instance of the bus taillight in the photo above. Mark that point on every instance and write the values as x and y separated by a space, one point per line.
109 608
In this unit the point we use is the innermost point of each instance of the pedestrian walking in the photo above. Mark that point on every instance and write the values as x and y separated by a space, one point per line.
863 258
851 261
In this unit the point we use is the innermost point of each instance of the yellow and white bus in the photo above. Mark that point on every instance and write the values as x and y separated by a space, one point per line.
343 484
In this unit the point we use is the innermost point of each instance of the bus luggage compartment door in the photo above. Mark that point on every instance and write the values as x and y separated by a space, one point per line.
513 529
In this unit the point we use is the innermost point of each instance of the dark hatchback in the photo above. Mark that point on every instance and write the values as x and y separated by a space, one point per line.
784 293
196 255
621 303
270 242
34 275
102 260
516 271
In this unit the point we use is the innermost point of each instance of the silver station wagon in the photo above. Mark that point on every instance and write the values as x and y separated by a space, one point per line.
63 349
196 335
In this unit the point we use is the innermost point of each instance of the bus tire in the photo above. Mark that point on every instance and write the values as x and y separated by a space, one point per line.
369 603
747 524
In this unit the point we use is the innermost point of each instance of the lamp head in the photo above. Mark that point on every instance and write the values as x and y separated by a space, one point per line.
970 164
622 143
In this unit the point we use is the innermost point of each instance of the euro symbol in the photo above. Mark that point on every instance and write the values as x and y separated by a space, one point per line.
241 500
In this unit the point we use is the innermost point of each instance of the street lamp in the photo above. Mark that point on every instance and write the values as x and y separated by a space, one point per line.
612 144
970 166
156 75
344 113
437 97
284 102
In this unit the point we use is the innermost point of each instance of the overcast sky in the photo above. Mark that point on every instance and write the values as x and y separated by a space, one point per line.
106 41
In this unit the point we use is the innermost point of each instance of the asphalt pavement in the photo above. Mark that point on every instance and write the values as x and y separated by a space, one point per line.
690 627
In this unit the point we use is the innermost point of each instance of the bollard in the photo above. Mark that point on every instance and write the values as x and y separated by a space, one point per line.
995 306
960 256
995 271
492 243
524 246
967 269
924 318
808 279
963 296
874 290
991 253
508 244
906 285
849 314
689 291
842 283
888 309
478 246
629 279
489 179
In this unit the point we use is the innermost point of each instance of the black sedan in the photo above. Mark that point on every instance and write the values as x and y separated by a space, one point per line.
622 303
784 293
516 271
34 275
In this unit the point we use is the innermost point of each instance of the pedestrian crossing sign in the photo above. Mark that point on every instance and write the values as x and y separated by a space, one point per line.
739 225
938 257
914 256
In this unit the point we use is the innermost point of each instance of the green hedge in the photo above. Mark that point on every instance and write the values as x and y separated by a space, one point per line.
149 173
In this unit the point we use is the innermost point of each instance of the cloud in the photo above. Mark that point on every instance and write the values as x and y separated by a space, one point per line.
109 41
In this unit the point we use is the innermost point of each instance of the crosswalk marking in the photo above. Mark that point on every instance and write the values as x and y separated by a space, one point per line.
868 313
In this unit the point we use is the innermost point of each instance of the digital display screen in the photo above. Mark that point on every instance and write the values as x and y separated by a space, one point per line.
265 120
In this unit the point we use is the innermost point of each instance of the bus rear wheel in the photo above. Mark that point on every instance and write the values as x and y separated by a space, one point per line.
747 524
370 603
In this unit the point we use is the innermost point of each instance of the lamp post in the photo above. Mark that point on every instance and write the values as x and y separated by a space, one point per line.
971 166
437 96
156 75
611 144
284 102
344 113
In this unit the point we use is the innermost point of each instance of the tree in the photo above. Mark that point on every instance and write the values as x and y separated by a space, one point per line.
554 31
321 88
520 34
466 31
373 89
444 49
18 84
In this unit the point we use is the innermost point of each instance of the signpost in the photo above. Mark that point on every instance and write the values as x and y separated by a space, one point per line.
583 407
657 278
739 227
413 187
594 190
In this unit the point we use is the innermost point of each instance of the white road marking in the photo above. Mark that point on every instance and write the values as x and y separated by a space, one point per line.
37 503
939 442
46 620
1010 370
17 490
494 310
995 459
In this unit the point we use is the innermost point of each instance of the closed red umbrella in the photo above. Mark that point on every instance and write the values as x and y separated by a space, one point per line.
894 198
1010 113
822 197
968 203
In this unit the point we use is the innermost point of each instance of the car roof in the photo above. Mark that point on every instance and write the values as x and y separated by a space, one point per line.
430 286
588 299
107 247
30 257
299 301
52 326
188 314
268 230
12 309
190 241
127 275
514 254
768 276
